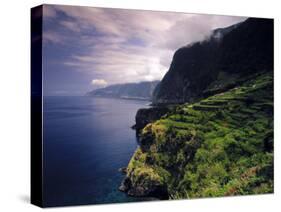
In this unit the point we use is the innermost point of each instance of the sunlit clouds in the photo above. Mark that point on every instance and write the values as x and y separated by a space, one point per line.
99 83
120 46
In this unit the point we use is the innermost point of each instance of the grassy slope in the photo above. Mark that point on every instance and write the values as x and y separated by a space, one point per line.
222 145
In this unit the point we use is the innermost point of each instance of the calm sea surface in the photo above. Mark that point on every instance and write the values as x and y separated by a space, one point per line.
86 141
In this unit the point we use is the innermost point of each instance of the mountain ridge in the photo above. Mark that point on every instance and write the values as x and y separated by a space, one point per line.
141 90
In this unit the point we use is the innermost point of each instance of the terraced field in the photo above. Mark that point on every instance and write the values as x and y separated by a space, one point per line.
221 145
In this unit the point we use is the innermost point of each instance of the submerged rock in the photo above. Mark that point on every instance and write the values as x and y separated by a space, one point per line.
123 170
125 185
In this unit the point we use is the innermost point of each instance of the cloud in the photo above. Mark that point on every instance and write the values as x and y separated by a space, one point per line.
52 37
99 83
120 46
122 64
49 11
193 29
60 92
72 26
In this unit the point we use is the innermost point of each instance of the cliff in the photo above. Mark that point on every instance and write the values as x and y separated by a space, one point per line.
217 138
219 146
229 55
148 115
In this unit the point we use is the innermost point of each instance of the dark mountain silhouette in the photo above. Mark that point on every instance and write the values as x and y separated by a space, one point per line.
141 90
229 55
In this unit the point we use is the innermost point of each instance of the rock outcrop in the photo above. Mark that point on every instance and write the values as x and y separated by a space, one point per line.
147 115
143 181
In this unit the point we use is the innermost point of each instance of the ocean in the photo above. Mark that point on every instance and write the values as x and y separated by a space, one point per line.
86 141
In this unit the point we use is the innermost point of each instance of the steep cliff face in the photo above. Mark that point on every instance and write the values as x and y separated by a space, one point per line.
219 146
141 90
228 56
219 142
147 115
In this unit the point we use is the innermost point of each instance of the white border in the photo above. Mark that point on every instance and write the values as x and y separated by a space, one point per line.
15 102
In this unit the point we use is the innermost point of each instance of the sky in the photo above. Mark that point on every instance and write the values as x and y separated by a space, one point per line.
86 48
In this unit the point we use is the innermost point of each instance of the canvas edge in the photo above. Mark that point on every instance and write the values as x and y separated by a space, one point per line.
36 180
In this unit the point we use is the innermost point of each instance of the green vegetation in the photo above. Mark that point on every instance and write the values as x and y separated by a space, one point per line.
219 146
